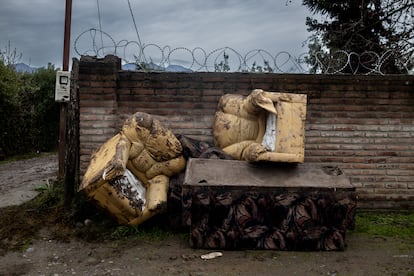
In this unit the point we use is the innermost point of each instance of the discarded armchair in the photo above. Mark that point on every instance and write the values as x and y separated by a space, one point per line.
129 174
264 126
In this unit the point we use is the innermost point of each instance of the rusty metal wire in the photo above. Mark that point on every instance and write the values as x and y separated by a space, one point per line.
152 57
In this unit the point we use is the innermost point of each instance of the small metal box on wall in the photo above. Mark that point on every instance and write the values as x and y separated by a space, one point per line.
62 87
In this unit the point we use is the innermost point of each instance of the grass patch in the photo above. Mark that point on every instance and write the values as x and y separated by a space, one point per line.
153 233
19 225
155 229
389 224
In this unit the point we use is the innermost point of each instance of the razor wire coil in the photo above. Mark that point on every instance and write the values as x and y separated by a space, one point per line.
153 57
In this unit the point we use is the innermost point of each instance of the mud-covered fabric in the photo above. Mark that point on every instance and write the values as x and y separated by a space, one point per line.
221 218
192 148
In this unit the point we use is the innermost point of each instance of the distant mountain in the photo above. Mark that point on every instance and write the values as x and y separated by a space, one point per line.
129 67
177 68
24 68
155 67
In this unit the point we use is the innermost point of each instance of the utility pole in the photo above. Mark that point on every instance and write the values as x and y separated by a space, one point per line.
63 105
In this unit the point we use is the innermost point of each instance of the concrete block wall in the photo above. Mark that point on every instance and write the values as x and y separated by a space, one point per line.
362 124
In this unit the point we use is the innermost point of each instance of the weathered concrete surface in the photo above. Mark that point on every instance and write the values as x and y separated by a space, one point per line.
206 172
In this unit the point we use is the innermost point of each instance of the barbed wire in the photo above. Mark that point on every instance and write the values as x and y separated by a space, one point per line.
152 57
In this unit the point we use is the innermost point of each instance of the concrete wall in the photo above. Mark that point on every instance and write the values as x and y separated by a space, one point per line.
363 124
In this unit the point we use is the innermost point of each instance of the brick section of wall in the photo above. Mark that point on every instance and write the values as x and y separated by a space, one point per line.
97 84
362 124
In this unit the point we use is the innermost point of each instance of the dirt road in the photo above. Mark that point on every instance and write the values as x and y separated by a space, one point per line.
19 179
364 255
172 256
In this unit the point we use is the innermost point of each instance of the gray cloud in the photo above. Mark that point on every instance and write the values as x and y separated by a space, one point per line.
35 28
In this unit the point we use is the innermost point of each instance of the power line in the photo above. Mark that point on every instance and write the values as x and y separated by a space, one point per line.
136 30
100 26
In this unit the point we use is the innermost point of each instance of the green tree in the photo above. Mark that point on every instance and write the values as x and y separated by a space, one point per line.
9 107
359 26
39 108
29 115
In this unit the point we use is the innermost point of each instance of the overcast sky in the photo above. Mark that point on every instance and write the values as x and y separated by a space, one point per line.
35 28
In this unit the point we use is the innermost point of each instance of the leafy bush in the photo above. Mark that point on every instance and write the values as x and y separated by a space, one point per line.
29 116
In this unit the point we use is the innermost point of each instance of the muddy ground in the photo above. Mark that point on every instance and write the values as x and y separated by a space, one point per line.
62 248
20 179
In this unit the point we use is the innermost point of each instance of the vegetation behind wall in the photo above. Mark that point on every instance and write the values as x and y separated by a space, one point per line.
29 116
